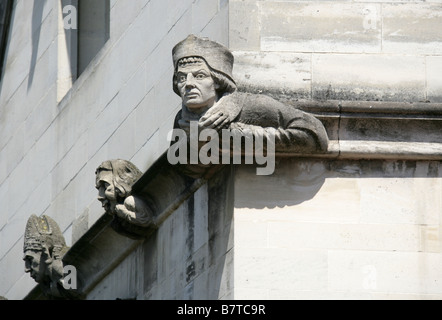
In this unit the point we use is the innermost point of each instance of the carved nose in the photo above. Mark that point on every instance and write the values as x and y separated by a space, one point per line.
190 81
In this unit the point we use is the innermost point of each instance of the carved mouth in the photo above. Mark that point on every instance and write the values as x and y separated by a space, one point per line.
191 95
105 204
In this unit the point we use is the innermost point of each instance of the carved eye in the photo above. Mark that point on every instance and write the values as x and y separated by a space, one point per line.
200 76
182 78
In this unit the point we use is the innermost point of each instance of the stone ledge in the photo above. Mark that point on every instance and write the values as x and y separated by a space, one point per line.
372 109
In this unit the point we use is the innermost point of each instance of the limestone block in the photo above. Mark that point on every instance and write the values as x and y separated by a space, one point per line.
63 207
123 15
4 194
15 148
145 122
12 232
121 144
250 233
320 27
148 153
369 77
44 157
38 200
79 226
9 262
200 226
69 166
40 118
120 283
244 29
434 81
284 75
392 237
412 28
103 127
218 28
203 12
270 268
300 192
29 41
11 117
401 200
20 288
385 272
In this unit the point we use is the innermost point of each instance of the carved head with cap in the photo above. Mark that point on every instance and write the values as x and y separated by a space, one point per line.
202 72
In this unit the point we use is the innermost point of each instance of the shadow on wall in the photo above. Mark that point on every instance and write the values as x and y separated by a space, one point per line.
298 180
292 183
190 257
37 16
7 14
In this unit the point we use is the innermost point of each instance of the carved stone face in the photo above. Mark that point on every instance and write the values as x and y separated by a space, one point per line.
106 190
34 266
196 86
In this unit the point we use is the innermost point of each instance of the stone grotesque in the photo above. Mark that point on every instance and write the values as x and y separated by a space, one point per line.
44 248
114 180
203 79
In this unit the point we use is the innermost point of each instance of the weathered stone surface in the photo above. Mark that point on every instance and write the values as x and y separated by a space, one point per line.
380 234
368 77
434 81
245 30
412 28
320 27
286 76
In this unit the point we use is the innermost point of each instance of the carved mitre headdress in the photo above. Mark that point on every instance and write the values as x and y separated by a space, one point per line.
217 56
43 232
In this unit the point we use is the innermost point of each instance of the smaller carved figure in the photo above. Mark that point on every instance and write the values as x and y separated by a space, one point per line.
44 248
114 180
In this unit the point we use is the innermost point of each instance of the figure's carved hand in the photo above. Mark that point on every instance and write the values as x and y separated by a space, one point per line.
216 121
135 211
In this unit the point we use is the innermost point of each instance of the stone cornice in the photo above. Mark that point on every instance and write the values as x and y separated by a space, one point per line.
380 130
373 109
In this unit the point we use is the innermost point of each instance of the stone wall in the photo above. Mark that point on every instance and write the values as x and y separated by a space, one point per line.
344 229
122 106
349 50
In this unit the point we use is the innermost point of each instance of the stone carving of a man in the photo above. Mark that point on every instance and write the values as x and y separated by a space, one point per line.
44 248
203 79
114 180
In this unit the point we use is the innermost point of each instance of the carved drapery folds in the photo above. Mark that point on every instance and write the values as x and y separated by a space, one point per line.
44 248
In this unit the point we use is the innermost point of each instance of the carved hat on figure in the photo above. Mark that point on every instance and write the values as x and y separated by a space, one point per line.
217 56
44 233
44 248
